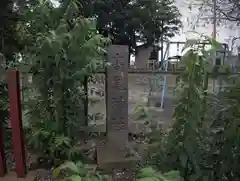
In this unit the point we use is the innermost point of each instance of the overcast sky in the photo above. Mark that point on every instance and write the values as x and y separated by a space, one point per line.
225 32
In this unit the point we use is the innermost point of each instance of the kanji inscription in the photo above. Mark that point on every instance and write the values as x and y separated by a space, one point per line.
113 152
117 91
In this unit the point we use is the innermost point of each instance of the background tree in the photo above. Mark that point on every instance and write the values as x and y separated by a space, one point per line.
8 21
128 22
227 10
230 9
226 20
61 49
9 47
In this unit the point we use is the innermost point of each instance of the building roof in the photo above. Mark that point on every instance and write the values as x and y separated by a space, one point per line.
145 46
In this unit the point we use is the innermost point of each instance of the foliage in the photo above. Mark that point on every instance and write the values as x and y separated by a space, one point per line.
61 48
149 174
141 111
156 148
184 148
10 44
227 18
128 22
228 9
184 142
9 47
79 172
203 143
66 49
225 133
4 114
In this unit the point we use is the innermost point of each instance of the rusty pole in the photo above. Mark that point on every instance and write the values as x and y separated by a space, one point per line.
16 122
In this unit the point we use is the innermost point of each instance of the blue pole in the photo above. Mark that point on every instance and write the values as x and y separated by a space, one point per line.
165 79
234 66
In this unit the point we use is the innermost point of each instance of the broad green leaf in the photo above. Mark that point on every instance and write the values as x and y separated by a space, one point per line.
162 177
61 140
70 166
148 179
147 172
173 176
96 178
73 178
215 43
56 172
194 177
80 164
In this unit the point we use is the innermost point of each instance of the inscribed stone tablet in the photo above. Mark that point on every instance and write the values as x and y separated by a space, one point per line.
117 89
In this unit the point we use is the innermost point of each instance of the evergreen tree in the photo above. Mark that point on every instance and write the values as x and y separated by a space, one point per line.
128 22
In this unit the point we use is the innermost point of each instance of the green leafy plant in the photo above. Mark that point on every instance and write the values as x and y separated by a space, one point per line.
4 105
149 174
141 111
65 51
70 171
184 138
4 114
224 141
183 149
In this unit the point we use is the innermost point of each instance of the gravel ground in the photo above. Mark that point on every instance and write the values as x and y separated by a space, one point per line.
45 175
31 161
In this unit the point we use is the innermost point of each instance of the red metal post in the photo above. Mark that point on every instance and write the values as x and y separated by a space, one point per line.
16 122
3 168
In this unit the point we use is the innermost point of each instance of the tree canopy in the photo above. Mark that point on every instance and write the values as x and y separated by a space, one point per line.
230 9
226 9
8 17
128 22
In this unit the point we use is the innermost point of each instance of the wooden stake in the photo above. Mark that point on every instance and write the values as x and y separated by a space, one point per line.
3 168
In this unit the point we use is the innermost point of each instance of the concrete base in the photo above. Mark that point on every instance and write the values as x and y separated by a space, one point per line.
109 157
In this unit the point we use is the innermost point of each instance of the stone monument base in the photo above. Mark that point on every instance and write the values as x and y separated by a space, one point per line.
109 157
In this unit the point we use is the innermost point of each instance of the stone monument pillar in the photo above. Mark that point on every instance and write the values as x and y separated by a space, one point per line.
112 151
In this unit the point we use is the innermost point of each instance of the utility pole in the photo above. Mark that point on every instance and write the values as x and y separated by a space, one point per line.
214 19
214 36
162 44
